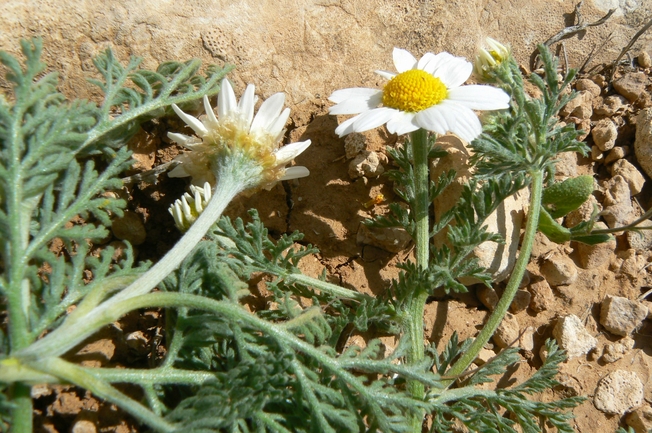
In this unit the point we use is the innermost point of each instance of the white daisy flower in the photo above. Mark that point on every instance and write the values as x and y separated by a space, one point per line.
236 129
426 94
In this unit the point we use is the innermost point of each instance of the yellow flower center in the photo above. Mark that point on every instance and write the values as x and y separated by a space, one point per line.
413 91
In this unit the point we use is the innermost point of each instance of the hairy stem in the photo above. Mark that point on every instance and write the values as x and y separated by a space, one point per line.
325 287
417 302
236 173
512 287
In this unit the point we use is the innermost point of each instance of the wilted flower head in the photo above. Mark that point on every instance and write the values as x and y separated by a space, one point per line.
236 130
490 58
426 94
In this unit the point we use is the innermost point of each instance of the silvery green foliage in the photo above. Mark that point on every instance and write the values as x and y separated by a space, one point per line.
226 368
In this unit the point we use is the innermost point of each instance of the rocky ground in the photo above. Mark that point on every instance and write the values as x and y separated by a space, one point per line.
591 299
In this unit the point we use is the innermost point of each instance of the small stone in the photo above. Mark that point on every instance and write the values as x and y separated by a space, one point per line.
611 105
392 239
526 340
620 316
566 165
631 85
582 213
612 352
573 337
641 240
542 297
129 228
596 153
594 256
84 426
634 178
520 302
488 297
615 154
366 164
354 143
559 270
589 86
138 341
618 392
643 143
507 332
618 210
581 106
604 134
644 60
484 356
640 420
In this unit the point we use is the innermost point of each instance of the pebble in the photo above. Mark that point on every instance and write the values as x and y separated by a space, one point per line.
392 239
618 392
630 173
618 210
542 297
508 331
526 340
559 270
573 337
604 134
582 213
129 228
616 153
610 105
612 352
644 60
354 143
581 106
589 86
488 297
594 256
84 426
631 85
643 143
641 240
484 356
366 164
620 316
520 302
640 419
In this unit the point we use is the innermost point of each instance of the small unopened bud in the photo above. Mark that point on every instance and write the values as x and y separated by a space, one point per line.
491 57
187 209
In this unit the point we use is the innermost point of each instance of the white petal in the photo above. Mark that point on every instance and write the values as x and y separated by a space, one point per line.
346 127
352 93
373 118
268 111
357 105
403 60
276 128
451 117
295 172
402 123
288 152
433 61
479 97
191 121
178 171
386 74
210 114
226 102
246 105
181 139
433 119
454 72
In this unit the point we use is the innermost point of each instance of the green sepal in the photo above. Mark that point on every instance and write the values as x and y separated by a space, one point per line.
582 233
552 229
563 197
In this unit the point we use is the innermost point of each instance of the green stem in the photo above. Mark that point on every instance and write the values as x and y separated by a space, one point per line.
325 287
237 172
21 413
80 377
417 302
512 287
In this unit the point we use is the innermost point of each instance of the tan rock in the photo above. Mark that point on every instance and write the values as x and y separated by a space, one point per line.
621 316
618 392
392 239
643 143
611 105
130 228
631 85
508 332
593 256
589 86
604 134
559 270
630 173
640 419
573 337
542 297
